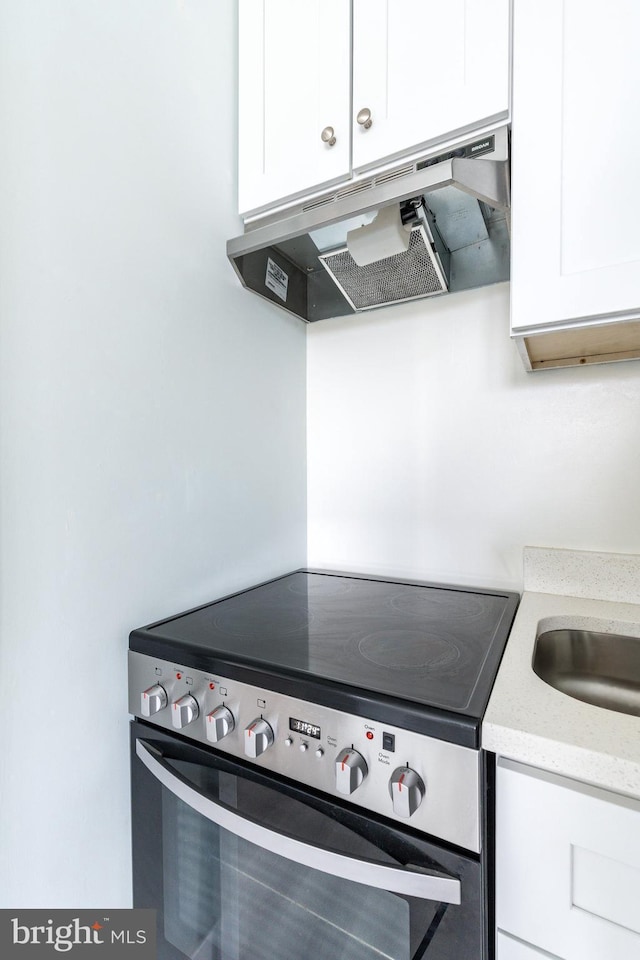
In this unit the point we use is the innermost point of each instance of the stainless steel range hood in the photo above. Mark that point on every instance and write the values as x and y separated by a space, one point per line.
434 225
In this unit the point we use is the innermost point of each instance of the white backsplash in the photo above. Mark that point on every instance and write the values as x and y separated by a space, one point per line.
580 573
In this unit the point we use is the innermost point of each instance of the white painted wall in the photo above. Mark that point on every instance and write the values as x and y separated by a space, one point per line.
151 413
432 454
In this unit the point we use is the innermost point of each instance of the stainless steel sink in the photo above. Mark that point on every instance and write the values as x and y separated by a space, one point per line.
599 668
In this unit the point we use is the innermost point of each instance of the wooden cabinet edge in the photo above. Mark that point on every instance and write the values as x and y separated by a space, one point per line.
580 345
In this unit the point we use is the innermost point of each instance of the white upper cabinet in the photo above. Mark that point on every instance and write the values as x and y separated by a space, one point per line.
294 83
575 197
426 70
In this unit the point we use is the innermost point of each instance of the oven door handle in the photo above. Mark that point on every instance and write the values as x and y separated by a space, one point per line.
412 881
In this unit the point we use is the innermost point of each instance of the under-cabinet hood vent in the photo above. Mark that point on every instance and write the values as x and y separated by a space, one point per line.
393 175
320 202
436 225
354 188
359 187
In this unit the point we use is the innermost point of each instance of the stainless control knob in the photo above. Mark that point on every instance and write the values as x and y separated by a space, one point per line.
303 747
364 118
351 769
328 136
219 723
153 700
258 737
184 711
407 791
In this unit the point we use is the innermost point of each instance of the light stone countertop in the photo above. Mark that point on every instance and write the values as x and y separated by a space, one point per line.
530 721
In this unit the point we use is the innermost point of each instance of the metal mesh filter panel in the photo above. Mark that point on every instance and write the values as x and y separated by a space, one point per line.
401 277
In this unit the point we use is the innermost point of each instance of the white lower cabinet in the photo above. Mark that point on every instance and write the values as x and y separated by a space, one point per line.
510 949
567 868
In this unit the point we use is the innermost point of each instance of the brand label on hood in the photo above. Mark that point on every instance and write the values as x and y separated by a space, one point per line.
486 145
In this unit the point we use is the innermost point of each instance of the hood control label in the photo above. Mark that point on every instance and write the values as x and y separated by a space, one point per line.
276 279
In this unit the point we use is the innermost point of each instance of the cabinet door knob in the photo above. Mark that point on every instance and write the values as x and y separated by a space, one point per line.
364 118
328 136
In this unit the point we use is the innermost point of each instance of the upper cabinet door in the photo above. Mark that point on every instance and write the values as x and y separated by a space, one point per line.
426 70
294 84
576 141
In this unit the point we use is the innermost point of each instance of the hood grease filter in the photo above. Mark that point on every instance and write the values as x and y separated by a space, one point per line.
409 275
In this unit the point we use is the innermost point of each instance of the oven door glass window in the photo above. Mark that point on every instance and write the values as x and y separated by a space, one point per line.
228 896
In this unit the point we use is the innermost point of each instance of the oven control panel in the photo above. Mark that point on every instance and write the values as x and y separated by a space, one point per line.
430 784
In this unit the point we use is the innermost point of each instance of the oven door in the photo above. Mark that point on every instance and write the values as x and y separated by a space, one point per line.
241 865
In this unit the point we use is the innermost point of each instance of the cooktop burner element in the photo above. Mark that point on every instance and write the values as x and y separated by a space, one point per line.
410 650
433 646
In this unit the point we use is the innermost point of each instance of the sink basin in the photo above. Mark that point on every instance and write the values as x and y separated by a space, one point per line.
598 668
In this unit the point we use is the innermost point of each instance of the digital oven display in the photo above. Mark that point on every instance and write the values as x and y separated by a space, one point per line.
302 726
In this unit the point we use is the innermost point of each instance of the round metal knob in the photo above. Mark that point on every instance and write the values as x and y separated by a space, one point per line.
351 769
364 118
258 737
220 722
407 791
328 136
153 700
184 711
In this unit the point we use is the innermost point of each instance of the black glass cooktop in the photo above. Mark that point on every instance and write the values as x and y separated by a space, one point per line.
432 645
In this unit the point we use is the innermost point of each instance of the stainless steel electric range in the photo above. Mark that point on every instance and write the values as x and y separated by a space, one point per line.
307 778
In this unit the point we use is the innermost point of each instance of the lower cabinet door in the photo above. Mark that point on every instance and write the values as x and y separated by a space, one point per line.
567 866
510 949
